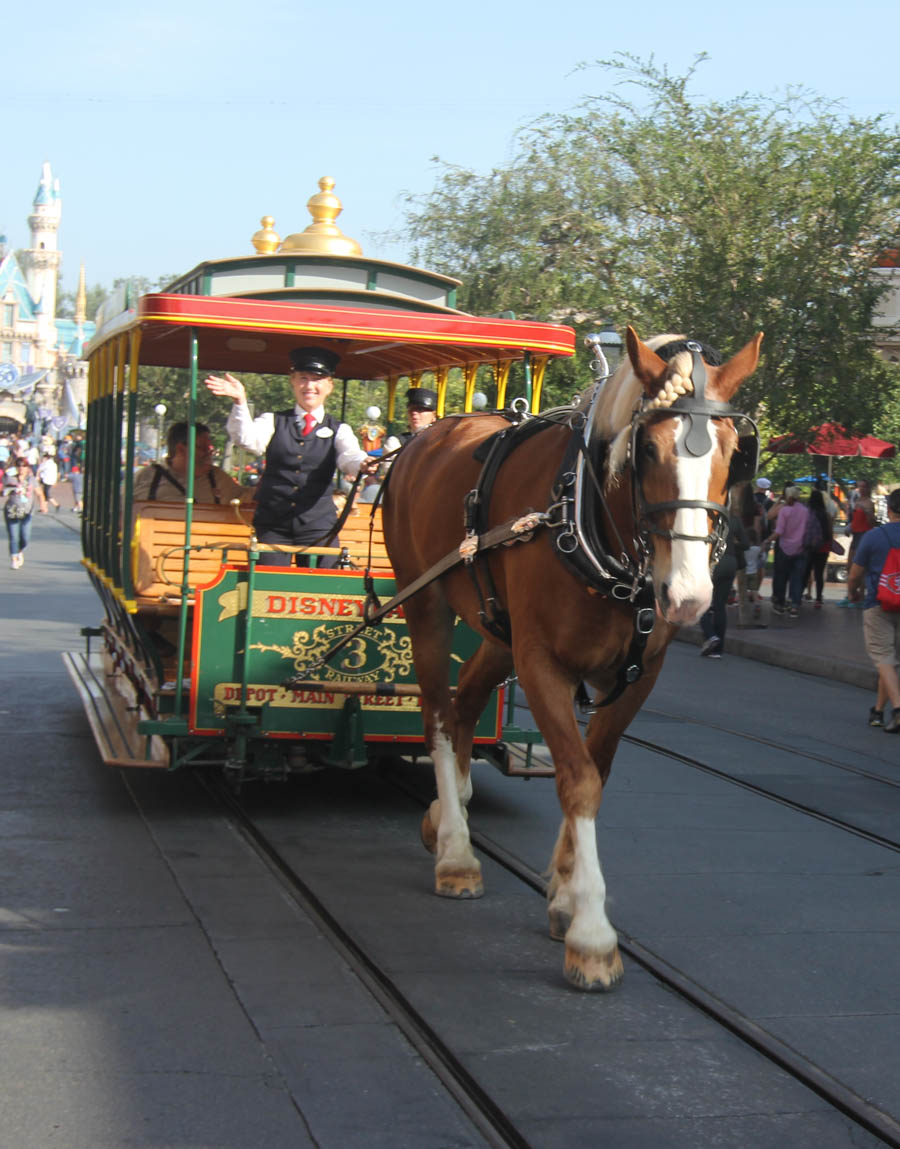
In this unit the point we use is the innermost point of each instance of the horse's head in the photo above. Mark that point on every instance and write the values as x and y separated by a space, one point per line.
687 446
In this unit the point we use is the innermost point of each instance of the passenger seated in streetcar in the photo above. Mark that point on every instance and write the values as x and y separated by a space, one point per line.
421 412
168 483
303 448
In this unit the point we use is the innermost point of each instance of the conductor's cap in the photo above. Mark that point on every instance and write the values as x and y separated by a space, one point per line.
421 399
315 360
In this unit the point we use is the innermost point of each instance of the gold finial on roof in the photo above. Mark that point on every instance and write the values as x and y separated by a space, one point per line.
266 240
323 235
81 298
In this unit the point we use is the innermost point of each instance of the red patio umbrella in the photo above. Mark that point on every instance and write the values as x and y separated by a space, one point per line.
832 439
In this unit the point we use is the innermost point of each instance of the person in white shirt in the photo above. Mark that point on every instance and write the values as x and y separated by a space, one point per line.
48 476
303 448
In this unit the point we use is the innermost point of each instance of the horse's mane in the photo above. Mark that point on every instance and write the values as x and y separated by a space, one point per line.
623 394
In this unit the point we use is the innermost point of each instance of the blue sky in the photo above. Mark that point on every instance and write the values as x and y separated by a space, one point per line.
173 129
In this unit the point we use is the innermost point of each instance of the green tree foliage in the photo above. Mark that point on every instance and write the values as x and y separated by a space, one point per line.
672 213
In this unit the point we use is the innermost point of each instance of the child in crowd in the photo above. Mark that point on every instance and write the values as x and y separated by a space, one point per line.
755 572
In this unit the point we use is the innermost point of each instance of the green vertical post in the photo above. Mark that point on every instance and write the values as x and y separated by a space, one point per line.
526 363
253 558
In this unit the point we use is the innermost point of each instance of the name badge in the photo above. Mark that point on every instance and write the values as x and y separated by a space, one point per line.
324 433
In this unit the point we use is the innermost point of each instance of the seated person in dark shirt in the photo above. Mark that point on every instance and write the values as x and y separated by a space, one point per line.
168 483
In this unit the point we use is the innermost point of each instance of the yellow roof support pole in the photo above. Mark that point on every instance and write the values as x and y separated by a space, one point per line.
392 396
440 385
538 367
134 353
501 375
121 361
470 374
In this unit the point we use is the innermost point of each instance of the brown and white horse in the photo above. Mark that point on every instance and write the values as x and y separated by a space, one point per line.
664 477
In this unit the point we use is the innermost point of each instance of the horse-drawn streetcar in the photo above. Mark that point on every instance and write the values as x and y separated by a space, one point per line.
200 655
564 545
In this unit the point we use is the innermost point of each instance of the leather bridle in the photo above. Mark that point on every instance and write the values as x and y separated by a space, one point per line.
697 410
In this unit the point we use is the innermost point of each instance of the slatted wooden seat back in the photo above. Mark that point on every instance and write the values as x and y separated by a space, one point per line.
217 535
355 537
158 546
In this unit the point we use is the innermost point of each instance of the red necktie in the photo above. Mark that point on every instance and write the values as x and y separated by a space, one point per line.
308 423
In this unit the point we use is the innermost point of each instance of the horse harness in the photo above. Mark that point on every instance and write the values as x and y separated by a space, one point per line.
577 513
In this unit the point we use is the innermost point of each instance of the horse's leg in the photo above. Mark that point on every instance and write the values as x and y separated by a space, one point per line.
486 669
445 830
479 676
604 732
577 891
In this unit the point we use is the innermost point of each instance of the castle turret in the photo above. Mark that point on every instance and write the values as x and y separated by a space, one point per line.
41 261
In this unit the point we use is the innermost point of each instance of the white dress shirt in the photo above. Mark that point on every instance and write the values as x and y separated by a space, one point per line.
254 435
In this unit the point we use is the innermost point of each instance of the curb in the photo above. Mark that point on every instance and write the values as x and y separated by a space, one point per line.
818 665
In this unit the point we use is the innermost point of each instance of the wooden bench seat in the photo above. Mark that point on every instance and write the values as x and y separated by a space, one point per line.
218 533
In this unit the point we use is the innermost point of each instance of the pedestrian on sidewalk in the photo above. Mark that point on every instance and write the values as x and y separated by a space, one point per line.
749 510
714 622
881 628
754 573
76 478
790 552
21 489
818 540
48 475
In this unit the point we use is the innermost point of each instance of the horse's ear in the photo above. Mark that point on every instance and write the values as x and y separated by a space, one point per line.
647 365
733 373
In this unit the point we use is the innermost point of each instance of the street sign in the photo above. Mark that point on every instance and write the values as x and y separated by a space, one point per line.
9 375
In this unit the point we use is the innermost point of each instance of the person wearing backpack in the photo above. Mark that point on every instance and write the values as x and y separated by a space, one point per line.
875 573
21 490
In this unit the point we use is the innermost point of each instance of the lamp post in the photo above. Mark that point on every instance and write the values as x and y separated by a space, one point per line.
160 410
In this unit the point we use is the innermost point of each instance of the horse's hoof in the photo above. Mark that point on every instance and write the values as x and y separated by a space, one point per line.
428 833
559 920
593 971
458 884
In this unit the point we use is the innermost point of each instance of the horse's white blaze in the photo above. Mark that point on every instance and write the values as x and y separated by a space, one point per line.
590 930
689 583
453 844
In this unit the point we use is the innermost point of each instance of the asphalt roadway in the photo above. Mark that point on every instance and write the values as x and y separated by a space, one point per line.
134 1010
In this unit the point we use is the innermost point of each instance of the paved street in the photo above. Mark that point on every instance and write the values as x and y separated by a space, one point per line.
153 975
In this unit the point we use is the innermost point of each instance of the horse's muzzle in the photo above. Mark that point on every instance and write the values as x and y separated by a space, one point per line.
682 611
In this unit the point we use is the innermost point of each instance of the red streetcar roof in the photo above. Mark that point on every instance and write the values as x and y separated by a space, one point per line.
256 335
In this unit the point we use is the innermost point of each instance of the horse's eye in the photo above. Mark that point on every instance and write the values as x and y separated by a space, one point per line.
649 451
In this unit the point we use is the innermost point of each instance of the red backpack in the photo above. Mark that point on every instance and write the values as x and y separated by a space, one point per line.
889 581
